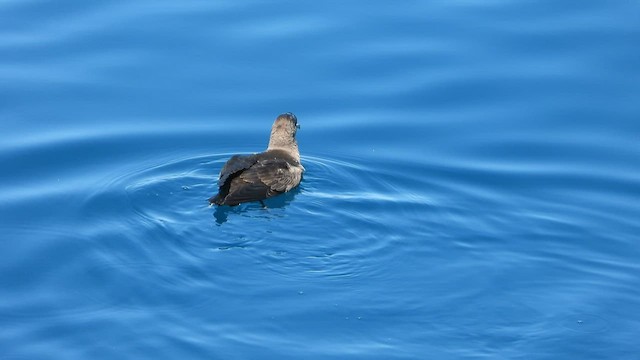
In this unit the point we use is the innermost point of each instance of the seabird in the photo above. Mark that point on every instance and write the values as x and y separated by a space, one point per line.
255 177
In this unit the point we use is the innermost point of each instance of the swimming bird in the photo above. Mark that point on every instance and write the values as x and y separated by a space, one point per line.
255 177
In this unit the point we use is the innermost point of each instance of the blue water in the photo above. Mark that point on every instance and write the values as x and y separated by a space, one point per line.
472 187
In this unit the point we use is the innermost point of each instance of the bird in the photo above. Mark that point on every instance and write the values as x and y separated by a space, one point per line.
256 177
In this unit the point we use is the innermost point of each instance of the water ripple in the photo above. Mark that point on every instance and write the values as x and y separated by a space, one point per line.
471 187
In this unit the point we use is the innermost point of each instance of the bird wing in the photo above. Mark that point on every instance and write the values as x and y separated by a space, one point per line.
234 164
279 174
265 178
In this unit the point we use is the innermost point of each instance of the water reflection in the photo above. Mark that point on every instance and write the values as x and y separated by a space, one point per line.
221 213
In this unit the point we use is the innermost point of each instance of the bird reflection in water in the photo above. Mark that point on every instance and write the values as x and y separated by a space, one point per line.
222 213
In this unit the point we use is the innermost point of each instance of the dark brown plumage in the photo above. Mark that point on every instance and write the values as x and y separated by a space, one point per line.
255 177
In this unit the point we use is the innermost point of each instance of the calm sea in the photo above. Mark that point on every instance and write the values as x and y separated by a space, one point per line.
472 187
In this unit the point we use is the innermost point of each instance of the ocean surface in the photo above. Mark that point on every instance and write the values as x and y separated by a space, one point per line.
472 185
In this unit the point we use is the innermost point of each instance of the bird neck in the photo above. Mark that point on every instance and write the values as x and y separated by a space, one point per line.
290 147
